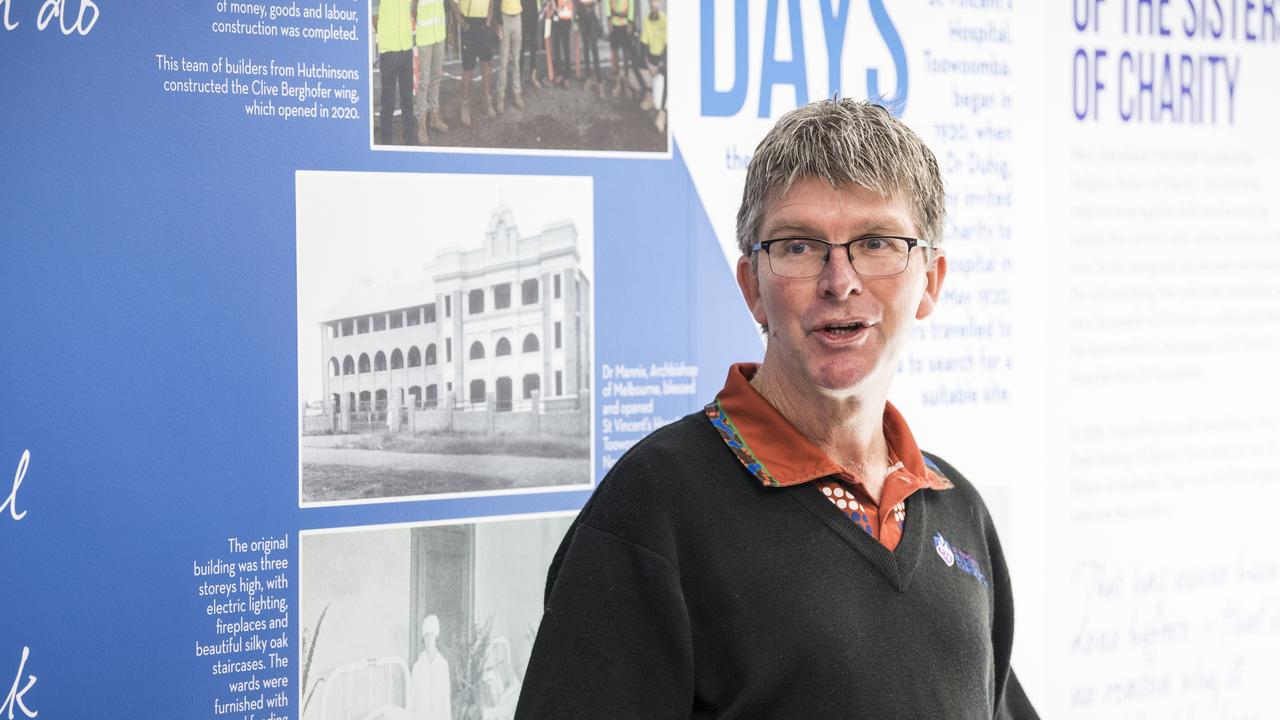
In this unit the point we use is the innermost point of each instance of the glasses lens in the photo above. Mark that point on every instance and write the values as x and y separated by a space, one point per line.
880 256
797 257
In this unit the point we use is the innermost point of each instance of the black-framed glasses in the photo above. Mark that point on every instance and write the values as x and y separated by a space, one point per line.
872 256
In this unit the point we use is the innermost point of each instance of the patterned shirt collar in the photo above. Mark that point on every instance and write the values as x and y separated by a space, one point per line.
778 455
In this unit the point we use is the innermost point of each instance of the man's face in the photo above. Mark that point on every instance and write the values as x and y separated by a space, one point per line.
809 319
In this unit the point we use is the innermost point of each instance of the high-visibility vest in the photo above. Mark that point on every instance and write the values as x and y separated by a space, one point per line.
430 22
511 7
654 34
395 25
621 13
474 8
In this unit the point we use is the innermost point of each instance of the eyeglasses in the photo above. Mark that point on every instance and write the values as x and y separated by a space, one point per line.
876 256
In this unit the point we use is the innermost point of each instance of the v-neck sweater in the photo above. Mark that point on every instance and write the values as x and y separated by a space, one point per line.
686 589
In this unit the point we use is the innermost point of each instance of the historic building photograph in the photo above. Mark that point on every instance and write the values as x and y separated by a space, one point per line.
444 334
423 621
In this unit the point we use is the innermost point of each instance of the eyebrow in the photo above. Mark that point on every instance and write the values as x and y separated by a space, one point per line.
799 227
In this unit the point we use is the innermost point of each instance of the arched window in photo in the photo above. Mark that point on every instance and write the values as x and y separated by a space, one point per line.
503 347
476 352
431 399
348 365
415 356
334 368
397 359
530 343
380 361
431 355
364 363
415 392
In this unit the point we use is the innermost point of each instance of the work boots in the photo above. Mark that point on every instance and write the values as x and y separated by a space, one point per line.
437 122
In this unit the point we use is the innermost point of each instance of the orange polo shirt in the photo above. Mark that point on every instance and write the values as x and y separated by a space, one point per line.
778 455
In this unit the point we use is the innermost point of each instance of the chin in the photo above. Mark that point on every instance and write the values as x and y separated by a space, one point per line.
840 380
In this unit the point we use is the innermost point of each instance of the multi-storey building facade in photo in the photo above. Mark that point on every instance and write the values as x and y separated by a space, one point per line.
504 327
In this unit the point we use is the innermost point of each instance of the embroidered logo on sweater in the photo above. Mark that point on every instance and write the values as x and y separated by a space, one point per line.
955 557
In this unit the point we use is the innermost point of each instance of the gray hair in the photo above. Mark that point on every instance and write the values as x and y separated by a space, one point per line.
844 142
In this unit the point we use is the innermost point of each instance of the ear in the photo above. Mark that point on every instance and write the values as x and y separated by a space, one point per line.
749 283
934 275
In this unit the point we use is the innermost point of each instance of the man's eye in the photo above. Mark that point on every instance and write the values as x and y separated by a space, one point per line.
875 243
800 247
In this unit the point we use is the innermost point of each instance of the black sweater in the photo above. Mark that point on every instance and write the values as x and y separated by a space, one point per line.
685 589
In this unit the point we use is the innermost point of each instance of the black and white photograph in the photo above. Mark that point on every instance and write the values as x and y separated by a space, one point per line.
444 335
538 75
426 622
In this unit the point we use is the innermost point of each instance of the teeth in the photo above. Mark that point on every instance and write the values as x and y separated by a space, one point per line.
844 329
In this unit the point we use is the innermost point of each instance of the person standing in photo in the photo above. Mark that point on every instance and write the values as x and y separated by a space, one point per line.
589 30
510 39
393 33
561 29
429 678
531 39
429 36
789 551
622 21
475 28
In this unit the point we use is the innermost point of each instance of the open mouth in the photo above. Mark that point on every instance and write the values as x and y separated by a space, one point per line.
843 330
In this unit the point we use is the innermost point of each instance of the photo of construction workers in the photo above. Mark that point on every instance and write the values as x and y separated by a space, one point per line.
520 74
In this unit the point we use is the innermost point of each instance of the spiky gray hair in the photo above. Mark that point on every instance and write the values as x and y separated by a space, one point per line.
844 142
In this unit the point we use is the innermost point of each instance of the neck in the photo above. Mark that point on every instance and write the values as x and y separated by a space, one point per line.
847 426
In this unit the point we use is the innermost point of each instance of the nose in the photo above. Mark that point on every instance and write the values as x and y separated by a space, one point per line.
838 279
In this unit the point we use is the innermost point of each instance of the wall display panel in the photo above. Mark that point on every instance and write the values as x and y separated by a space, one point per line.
323 319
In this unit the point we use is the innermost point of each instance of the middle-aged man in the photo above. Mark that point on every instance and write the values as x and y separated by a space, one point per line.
789 552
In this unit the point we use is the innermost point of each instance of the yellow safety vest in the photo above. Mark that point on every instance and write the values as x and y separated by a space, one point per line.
654 34
511 7
395 25
431 27
474 8
621 13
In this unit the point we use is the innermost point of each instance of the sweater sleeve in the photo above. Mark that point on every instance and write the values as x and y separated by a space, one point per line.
615 636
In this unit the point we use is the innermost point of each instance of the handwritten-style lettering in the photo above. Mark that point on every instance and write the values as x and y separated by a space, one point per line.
58 8
15 701
11 503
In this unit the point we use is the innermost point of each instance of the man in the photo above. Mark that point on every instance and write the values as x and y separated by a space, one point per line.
475 27
561 13
429 678
532 39
429 36
393 33
653 38
789 552
510 39
622 20
589 29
